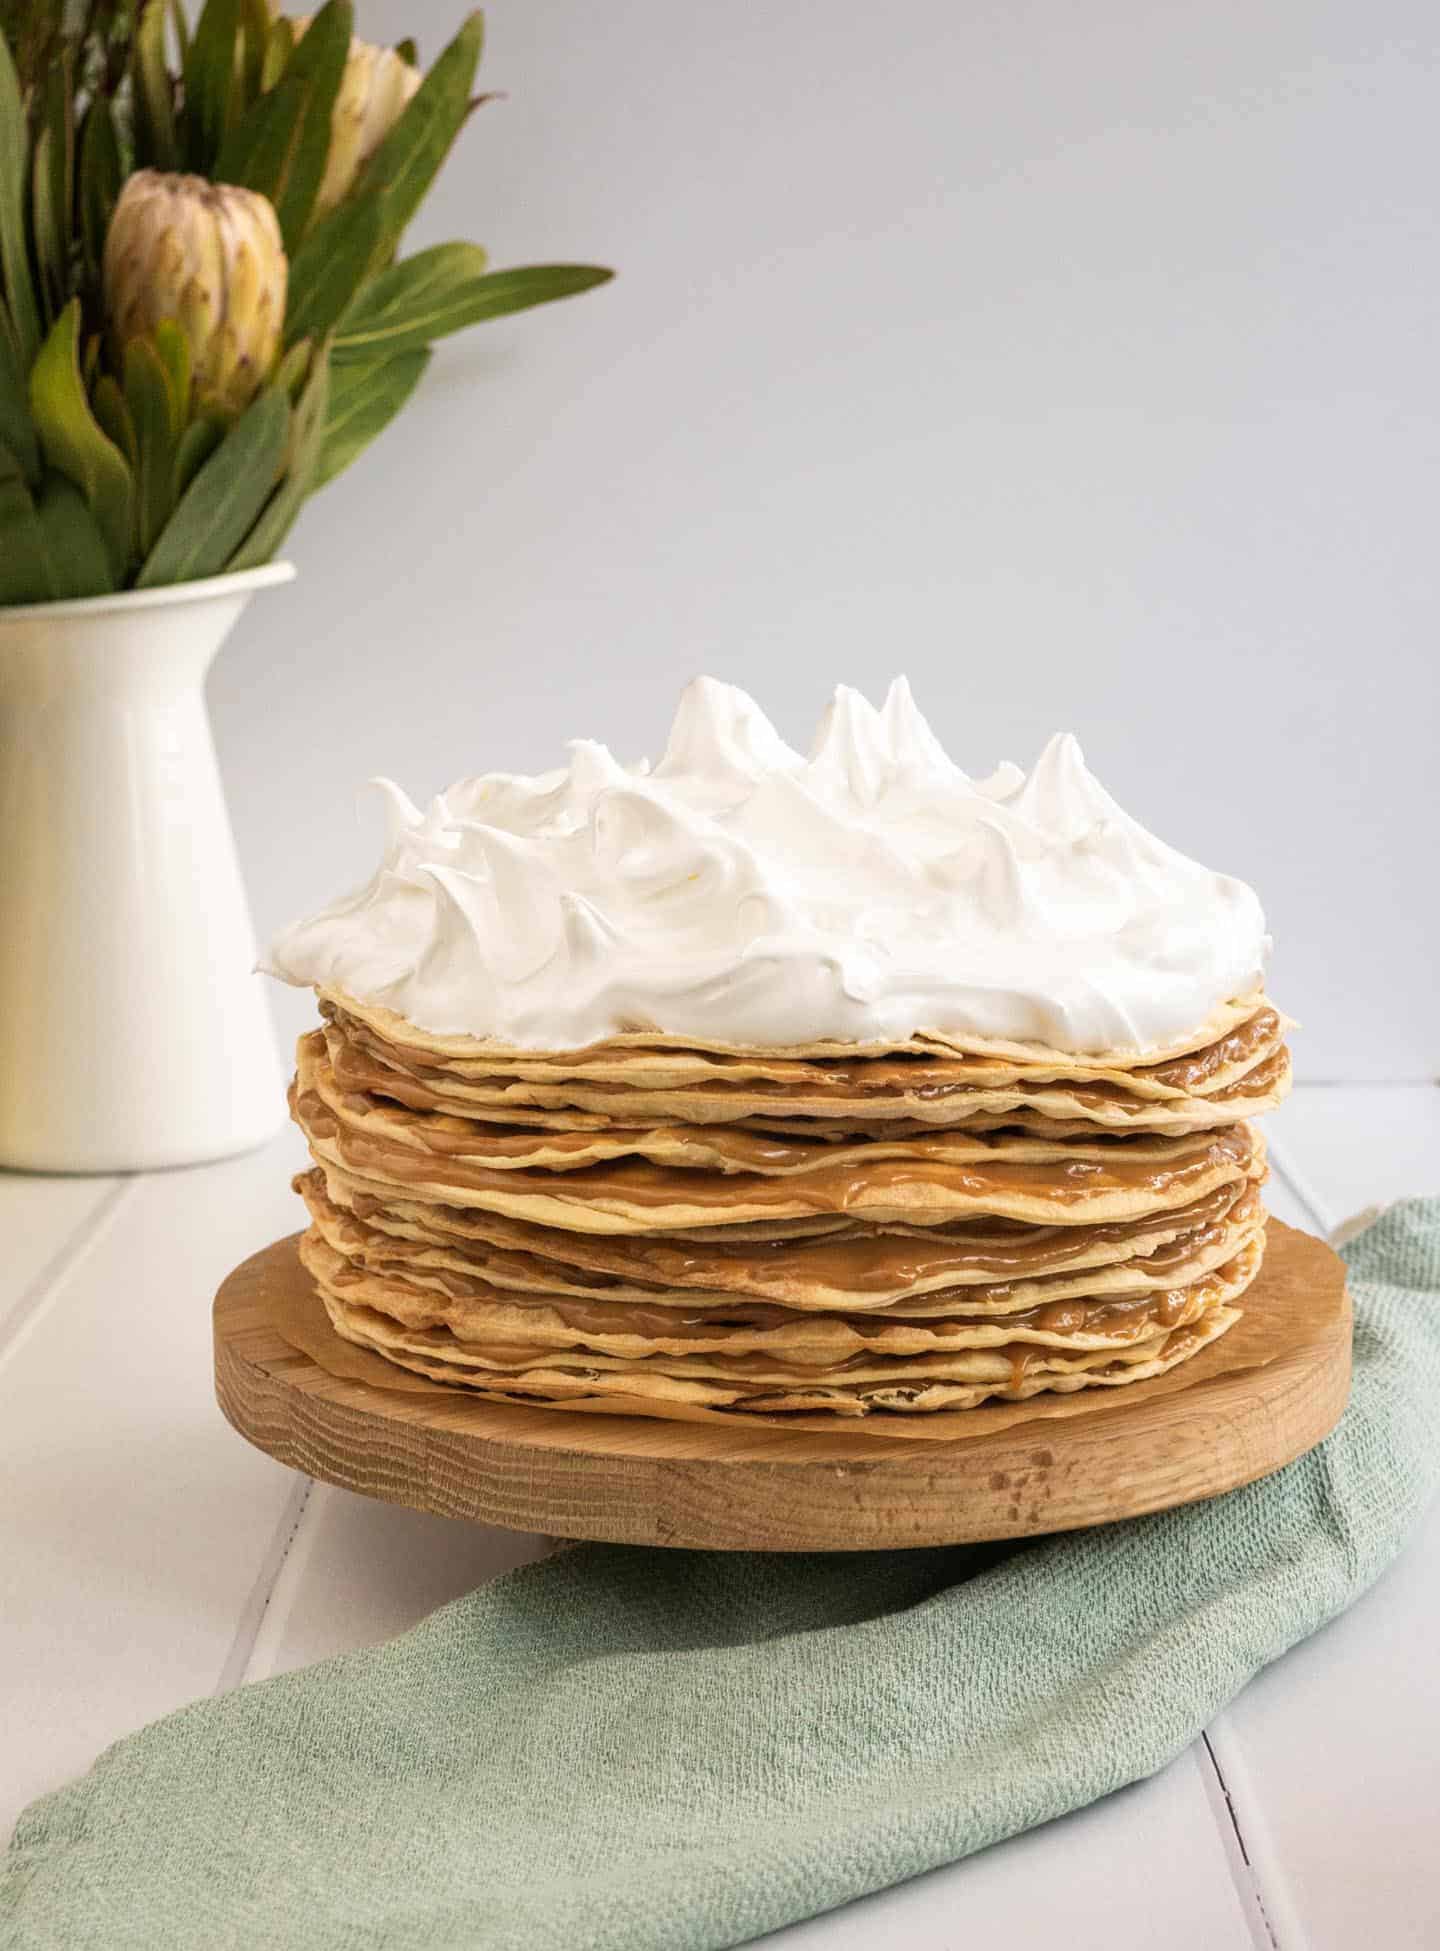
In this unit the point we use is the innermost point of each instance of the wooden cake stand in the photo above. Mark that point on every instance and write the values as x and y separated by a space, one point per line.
761 1488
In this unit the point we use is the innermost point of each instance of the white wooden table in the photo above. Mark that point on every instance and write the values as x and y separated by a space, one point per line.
148 1556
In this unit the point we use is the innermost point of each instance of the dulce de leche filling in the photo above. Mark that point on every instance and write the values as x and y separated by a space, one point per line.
908 1269
861 1260
889 1184
1121 1319
363 1061
730 1149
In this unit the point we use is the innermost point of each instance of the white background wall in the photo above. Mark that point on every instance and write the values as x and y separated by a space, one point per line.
1079 359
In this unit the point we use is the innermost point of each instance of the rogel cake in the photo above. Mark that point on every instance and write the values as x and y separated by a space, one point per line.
753 1083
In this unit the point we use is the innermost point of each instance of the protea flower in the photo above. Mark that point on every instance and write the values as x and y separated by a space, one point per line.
376 85
209 257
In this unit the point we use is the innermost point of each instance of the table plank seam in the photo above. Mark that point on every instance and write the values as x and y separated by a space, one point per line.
1351 1148
1260 1887
1257 1864
289 1582
31 1305
236 1665
1249 1885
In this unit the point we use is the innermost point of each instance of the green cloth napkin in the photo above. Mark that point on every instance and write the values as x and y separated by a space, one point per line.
634 1748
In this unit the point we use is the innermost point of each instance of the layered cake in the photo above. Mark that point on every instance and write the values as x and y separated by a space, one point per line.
755 1083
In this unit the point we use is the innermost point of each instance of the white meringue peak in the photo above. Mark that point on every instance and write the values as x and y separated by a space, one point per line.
739 893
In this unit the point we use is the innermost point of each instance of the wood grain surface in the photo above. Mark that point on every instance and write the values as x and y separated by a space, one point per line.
766 1489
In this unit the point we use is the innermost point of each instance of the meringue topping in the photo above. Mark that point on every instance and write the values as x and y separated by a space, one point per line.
739 893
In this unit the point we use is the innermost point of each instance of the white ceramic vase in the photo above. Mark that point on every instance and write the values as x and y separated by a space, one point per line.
133 1033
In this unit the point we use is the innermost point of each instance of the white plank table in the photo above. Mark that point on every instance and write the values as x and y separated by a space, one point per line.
148 1555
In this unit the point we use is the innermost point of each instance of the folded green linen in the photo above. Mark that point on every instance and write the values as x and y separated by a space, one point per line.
635 1748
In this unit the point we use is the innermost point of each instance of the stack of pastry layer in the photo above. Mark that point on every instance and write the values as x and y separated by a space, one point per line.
652 1226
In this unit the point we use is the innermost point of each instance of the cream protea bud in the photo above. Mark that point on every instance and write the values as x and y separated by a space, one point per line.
209 257
376 85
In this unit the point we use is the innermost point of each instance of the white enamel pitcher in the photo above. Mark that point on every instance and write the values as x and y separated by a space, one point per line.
133 1033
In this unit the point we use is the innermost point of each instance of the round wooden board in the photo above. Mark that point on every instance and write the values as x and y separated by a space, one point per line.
765 1489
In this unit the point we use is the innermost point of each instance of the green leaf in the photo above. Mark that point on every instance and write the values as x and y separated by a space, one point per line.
259 149
255 32
176 11
291 371
114 417
52 191
363 402
307 432
147 394
14 175
408 52
24 570
194 448
157 145
51 547
387 308
278 48
79 560
408 160
280 146
17 429
422 298
71 439
210 88
307 423
45 223
219 507
331 265
100 179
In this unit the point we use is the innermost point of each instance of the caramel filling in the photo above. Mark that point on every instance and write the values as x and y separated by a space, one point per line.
536 1280
858 1074
364 1062
862 1260
1123 1318
515 1354
637 1184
